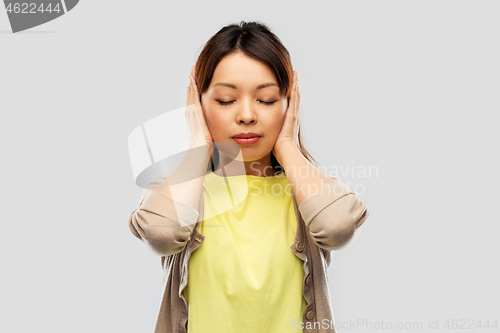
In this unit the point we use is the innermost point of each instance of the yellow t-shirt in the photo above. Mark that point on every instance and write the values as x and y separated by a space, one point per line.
245 277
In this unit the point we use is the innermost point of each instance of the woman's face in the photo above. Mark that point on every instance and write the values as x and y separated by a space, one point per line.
234 103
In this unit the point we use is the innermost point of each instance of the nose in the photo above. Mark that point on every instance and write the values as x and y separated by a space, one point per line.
246 113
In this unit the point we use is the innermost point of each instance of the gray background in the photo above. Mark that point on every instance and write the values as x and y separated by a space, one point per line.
409 87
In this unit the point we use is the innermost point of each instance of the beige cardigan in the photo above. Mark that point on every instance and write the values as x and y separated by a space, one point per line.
326 221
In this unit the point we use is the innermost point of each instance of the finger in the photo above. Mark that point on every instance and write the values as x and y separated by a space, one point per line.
195 101
193 85
297 109
192 88
196 94
297 94
293 98
189 92
297 98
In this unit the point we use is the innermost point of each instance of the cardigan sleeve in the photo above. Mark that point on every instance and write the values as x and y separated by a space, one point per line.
333 215
163 224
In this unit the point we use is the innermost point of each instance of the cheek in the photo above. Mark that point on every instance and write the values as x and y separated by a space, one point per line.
275 121
215 123
208 113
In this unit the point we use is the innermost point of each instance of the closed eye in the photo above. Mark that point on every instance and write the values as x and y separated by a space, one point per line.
231 102
225 103
268 103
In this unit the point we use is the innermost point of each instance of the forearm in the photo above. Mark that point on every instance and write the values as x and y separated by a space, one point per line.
305 179
330 210
185 184
168 210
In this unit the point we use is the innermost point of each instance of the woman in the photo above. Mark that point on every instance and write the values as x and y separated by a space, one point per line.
257 246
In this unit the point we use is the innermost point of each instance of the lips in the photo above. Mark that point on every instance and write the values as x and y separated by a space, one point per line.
247 141
246 136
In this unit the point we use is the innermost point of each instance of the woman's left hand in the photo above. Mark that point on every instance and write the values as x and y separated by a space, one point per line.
290 130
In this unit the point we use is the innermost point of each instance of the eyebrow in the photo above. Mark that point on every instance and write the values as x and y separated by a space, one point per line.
260 86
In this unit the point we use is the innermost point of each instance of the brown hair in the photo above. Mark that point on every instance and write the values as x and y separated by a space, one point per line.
257 41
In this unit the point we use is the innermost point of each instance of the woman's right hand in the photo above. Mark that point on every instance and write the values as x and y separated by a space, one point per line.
200 134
